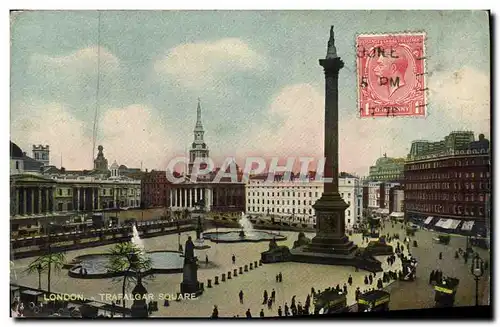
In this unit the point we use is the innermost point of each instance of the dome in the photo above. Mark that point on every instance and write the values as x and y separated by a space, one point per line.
15 151
114 165
122 167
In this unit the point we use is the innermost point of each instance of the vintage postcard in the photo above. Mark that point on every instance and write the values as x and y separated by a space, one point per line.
250 164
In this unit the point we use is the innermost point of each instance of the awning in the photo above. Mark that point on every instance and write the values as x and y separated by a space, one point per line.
448 223
454 224
467 225
428 220
397 214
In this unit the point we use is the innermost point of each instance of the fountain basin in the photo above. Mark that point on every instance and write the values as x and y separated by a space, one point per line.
234 236
163 262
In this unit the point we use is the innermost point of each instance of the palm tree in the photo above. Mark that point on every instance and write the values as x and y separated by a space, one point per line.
127 259
47 262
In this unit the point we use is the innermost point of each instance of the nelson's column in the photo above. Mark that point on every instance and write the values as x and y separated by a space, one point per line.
330 245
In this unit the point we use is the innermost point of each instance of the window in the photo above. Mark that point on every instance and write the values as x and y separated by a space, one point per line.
59 191
68 192
17 164
59 207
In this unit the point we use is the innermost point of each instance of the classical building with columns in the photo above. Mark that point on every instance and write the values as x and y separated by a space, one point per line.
57 195
223 196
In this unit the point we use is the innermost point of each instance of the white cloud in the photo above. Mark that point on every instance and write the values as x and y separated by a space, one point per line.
129 135
75 64
52 124
464 96
133 134
206 63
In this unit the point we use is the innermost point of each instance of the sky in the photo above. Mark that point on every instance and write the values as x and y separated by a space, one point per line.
256 73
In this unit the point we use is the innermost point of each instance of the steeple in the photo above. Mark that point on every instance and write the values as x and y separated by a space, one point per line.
199 148
199 125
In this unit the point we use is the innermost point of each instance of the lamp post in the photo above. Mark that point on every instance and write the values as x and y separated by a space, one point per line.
179 235
477 270
39 270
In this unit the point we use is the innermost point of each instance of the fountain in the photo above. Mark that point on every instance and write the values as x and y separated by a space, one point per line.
246 225
245 234
136 239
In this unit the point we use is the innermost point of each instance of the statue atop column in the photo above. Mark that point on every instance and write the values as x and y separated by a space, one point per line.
331 51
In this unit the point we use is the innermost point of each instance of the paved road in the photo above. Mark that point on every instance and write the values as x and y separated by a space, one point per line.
297 278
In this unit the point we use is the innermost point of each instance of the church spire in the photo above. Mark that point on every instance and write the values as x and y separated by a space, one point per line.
199 125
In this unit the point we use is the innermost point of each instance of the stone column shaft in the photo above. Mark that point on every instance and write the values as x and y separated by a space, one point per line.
78 198
39 200
25 201
18 191
32 192
99 198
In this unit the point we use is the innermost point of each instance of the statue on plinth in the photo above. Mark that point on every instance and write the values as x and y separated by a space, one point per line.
139 306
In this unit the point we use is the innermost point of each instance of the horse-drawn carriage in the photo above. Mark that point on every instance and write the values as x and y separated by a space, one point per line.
330 301
445 292
375 300
442 239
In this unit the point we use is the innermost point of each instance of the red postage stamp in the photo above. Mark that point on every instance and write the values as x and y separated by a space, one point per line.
391 75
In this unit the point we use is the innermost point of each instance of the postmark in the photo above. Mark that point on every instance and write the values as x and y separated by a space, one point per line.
391 75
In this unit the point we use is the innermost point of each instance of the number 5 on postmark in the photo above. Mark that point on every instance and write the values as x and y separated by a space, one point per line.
391 75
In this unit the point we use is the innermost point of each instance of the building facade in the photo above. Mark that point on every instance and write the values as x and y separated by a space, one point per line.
296 198
451 184
155 189
223 196
42 154
396 199
387 170
40 192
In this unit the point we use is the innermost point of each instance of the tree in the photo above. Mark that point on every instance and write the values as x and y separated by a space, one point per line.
128 260
46 263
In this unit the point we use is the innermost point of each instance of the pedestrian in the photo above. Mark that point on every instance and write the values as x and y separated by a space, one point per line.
277 278
234 259
265 297
345 288
299 309
440 255
273 295
366 280
248 314
241 296
206 260
312 291
280 312
286 310
280 277
380 285
371 279
262 313
270 304
349 280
